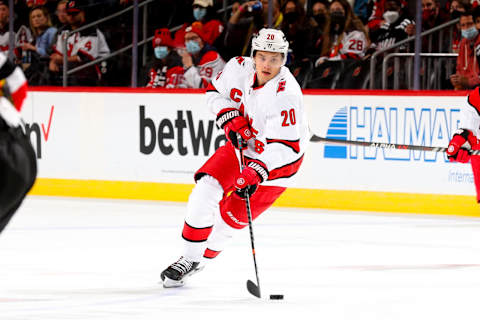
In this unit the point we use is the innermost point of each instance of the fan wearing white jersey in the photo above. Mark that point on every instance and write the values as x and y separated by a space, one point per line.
257 98
466 138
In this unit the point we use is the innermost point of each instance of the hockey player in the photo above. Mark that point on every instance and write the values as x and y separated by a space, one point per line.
466 137
258 99
17 158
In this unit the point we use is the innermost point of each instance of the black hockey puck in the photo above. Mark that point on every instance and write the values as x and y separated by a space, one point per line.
276 297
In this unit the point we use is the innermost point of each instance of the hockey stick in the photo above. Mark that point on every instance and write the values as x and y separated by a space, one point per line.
253 288
384 145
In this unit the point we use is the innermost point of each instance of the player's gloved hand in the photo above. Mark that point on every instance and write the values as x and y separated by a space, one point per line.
460 145
232 122
247 182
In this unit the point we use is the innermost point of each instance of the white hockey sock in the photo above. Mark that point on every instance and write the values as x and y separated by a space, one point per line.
203 204
221 234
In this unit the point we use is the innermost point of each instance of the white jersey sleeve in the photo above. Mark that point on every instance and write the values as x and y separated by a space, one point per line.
201 75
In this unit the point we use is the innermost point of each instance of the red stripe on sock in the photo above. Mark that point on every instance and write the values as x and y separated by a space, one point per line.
210 254
195 234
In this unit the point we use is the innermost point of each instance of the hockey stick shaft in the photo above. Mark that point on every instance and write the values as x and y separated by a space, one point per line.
383 145
252 288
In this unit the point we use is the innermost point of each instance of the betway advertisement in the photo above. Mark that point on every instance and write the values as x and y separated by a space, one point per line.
121 137
165 137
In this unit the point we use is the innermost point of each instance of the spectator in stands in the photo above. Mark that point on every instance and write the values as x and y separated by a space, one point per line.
204 12
298 30
321 19
200 60
456 8
83 47
36 70
342 62
376 18
346 37
393 28
44 33
432 14
165 70
22 34
61 14
250 17
468 72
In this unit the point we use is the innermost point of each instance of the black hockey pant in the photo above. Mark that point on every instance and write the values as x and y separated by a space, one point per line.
18 170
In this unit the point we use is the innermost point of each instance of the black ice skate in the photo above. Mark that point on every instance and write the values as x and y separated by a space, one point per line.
177 273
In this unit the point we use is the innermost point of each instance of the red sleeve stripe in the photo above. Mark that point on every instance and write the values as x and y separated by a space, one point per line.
210 254
211 88
286 171
474 99
293 144
193 234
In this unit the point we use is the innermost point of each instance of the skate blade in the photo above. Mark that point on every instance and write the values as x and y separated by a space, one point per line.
170 283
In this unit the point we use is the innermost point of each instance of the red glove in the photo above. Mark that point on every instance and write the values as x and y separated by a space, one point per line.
248 180
459 147
232 122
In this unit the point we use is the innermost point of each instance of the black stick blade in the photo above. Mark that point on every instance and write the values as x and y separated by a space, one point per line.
253 288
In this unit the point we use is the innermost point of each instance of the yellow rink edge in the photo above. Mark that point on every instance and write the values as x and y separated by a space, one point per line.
458 205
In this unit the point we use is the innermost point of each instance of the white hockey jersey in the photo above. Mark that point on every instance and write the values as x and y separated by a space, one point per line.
22 36
275 112
353 45
90 44
199 76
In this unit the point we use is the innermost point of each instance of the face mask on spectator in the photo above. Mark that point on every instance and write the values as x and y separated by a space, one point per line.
470 33
319 18
391 16
199 13
290 17
192 46
160 52
337 17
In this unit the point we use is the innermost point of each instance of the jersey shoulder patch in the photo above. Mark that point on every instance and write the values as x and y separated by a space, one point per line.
240 60
281 85
474 99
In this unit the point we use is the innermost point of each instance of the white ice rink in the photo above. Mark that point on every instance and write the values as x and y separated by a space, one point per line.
63 258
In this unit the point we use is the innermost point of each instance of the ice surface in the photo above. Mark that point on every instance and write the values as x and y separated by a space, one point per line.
64 258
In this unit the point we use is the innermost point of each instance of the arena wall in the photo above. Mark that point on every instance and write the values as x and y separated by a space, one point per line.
146 144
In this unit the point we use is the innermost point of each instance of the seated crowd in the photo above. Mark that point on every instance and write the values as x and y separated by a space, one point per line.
331 41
